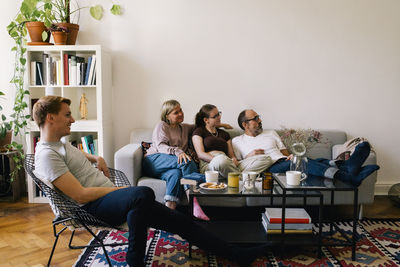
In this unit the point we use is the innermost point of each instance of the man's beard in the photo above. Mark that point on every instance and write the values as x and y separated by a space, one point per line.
258 130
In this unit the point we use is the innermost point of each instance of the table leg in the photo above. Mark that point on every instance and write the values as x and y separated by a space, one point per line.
191 212
355 221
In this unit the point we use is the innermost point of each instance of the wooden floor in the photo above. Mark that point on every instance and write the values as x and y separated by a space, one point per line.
26 234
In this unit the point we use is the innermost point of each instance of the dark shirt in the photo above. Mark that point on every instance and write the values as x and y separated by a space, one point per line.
213 142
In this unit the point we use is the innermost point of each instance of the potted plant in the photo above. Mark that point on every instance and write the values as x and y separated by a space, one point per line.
6 145
62 10
5 129
60 34
34 16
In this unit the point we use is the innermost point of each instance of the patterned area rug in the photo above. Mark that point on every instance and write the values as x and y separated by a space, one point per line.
378 245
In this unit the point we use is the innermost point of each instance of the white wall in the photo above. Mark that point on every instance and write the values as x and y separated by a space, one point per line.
321 64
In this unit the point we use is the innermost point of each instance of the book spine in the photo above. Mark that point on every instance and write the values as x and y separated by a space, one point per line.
289 220
33 73
88 70
92 66
66 80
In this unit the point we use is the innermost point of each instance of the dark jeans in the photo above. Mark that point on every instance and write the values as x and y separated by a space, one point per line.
315 167
138 207
166 167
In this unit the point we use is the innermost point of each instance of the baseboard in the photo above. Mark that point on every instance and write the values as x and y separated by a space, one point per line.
382 189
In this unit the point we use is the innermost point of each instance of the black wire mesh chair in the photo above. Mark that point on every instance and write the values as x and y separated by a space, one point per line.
72 216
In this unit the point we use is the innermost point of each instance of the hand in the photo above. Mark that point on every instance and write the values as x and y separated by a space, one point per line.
235 161
256 152
102 166
183 157
290 157
225 125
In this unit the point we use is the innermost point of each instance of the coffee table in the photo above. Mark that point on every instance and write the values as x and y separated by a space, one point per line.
250 232
318 183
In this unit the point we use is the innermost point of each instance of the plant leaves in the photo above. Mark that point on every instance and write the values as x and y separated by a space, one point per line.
116 10
44 35
96 12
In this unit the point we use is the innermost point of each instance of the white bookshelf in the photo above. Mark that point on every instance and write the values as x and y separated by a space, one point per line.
99 95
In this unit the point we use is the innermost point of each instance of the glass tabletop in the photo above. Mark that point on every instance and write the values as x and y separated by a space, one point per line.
232 191
313 183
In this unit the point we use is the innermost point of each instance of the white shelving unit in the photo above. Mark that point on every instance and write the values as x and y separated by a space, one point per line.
99 97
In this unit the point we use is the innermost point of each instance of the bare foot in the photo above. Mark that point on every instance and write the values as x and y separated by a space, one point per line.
171 204
198 211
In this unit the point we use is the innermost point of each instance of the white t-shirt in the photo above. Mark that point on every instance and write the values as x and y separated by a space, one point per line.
268 140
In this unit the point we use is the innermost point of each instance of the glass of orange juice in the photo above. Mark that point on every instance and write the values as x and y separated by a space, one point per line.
233 179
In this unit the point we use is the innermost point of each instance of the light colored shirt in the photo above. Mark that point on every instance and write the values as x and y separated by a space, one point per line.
170 140
268 140
53 159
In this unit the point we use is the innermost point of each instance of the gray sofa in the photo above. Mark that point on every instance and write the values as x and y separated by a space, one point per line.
129 160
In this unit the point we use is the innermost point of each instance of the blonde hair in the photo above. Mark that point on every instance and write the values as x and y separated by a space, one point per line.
167 107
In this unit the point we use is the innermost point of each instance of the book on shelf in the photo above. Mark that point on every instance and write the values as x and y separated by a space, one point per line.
72 71
88 70
287 231
92 69
39 75
95 145
288 226
33 73
86 141
193 179
292 215
66 78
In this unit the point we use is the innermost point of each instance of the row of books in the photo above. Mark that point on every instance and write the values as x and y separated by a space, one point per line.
73 69
88 145
297 221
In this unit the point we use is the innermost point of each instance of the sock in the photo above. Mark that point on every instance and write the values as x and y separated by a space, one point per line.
198 211
356 160
356 180
330 172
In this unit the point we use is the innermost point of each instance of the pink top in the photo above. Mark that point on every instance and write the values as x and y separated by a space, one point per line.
170 140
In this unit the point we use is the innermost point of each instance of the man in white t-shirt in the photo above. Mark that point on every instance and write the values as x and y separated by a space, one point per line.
260 150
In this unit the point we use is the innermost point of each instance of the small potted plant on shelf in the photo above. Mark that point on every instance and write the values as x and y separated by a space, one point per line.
60 34
34 16
62 11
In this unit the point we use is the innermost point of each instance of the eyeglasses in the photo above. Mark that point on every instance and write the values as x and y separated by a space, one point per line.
256 118
216 115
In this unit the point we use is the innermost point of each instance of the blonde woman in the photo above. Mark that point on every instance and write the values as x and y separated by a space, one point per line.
168 157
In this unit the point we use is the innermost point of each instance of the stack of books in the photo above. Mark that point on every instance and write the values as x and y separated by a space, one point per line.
297 221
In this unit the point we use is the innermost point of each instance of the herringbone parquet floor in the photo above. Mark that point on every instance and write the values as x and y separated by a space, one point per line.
26 234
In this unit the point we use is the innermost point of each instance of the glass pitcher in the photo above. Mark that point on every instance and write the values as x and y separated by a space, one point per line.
299 161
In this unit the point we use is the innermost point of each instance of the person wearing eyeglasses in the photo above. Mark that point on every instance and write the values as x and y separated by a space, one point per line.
257 145
170 156
213 145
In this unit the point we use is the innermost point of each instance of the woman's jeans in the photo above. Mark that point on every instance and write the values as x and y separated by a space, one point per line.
137 206
166 167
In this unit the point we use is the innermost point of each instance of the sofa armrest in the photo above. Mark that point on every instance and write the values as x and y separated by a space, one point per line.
129 160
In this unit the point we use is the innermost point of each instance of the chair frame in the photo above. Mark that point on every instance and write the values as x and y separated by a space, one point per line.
72 216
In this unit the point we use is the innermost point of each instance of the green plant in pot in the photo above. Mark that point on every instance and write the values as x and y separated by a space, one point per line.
34 15
64 9
15 149
60 34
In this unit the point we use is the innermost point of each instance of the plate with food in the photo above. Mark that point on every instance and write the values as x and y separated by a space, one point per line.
213 186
